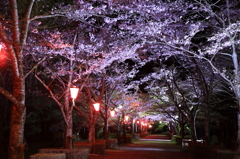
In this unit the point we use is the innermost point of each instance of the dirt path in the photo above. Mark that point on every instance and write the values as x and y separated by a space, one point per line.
150 147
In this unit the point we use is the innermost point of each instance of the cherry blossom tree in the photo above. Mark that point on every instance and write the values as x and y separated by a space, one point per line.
88 55
14 29
202 29
214 39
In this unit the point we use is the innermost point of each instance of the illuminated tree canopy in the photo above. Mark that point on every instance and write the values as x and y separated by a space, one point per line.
160 58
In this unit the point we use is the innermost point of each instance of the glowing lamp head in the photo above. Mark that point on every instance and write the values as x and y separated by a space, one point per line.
74 92
96 106
150 126
112 113
126 118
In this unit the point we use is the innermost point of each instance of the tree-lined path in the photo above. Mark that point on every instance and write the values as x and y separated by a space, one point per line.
150 147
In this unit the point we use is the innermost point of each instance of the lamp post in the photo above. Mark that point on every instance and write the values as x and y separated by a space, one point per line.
150 129
94 114
137 126
73 93
133 126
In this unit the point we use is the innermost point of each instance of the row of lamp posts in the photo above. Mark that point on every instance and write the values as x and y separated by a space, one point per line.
74 93
137 126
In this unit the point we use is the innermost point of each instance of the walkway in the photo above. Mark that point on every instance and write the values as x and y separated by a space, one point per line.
150 147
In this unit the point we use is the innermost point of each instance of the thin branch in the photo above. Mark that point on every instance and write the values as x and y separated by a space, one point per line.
35 66
12 99
53 97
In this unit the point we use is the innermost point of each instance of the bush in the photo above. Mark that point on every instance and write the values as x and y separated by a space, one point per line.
70 153
48 156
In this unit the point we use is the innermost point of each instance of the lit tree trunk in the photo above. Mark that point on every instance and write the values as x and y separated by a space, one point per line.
68 123
105 129
18 111
193 130
17 119
235 84
17 97
93 113
68 108
91 135
124 128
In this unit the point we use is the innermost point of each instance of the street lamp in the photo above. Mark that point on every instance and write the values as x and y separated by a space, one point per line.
96 106
112 113
74 93
126 118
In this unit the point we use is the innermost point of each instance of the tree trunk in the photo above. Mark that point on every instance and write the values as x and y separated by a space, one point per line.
105 129
206 122
193 132
68 134
17 120
68 114
91 134
91 137
238 133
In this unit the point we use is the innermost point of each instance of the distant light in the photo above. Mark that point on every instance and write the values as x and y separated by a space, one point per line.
96 106
112 113
3 56
74 92
126 118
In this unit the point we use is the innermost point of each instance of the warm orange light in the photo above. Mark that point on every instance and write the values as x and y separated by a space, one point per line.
74 92
150 126
133 120
112 113
96 106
